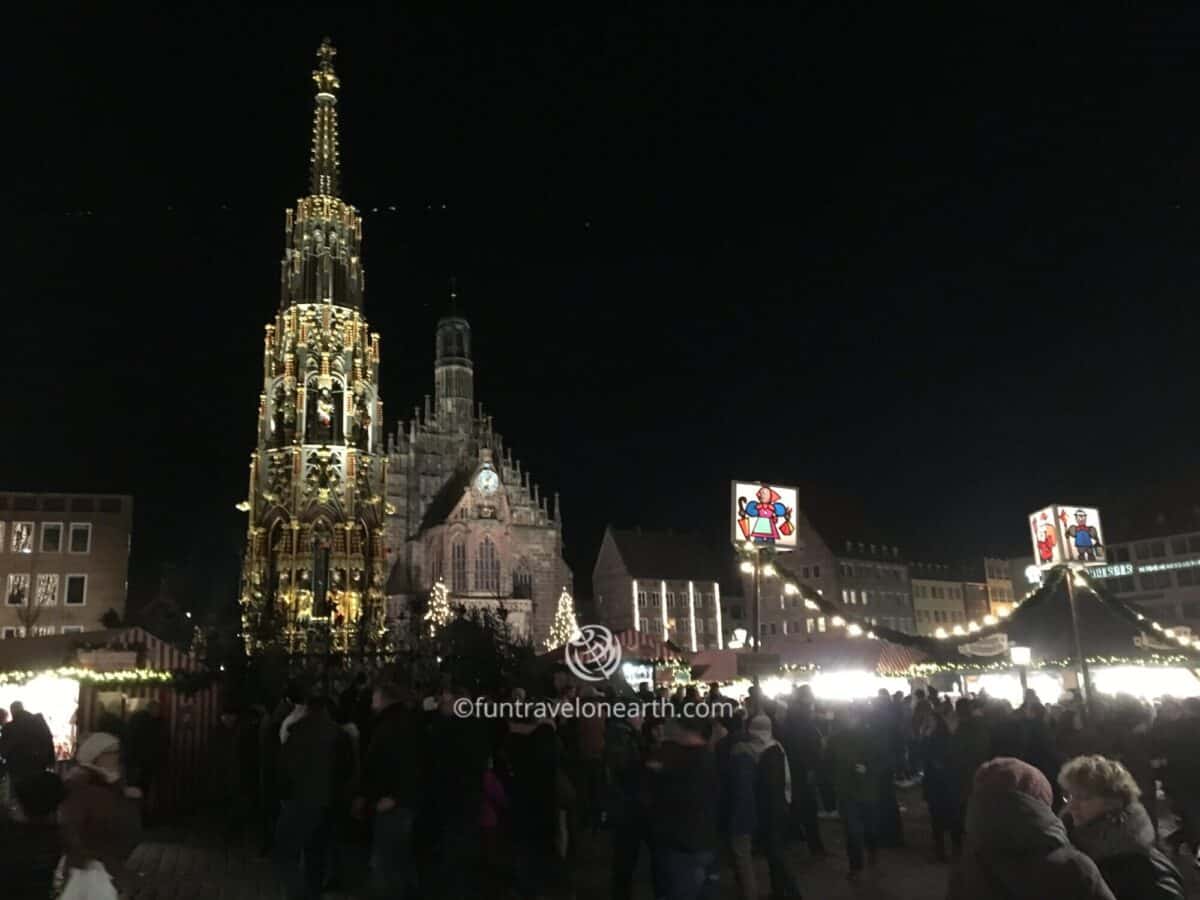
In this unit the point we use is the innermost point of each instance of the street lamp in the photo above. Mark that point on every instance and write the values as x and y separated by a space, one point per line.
1020 657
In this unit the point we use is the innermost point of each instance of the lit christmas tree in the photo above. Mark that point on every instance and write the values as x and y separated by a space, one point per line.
438 613
565 627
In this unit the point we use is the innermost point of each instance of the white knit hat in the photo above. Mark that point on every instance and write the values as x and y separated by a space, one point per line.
96 745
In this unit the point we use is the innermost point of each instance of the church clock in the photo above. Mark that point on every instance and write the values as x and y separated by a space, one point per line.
487 481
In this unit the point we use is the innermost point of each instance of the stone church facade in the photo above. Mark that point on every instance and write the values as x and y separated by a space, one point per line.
462 510
347 533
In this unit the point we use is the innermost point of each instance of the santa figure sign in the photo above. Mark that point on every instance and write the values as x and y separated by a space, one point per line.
764 515
1067 534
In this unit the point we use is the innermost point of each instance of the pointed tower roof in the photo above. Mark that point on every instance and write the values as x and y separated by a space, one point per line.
324 164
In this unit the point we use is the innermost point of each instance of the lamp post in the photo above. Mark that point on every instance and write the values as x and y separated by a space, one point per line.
1020 658
1070 576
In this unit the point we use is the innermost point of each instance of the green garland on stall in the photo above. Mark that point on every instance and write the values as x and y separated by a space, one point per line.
184 681
917 670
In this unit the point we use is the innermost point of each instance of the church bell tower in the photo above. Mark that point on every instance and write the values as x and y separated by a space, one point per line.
453 372
313 572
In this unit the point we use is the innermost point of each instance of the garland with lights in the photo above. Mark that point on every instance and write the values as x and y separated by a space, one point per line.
937 646
922 669
187 681
564 626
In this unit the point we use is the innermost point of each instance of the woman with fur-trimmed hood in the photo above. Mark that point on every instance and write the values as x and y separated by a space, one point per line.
1110 825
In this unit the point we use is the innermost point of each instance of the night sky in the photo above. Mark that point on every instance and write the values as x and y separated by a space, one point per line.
946 267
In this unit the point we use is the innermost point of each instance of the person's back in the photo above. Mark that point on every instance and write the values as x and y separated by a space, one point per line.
1016 847
683 798
308 760
30 841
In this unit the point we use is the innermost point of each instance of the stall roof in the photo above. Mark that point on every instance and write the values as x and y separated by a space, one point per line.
52 651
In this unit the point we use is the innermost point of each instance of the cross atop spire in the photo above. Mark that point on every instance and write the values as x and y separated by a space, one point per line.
324 165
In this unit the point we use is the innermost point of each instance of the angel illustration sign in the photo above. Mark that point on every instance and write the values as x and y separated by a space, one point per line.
763 514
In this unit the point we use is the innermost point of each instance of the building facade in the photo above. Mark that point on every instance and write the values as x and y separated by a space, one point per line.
64 561
939 598
314 567
1001 590
1159 574
870 578
661 584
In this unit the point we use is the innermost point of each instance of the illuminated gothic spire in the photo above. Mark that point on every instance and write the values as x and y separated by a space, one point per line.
324 162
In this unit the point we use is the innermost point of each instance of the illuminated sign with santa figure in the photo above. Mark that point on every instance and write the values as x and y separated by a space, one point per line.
764 515
1067 534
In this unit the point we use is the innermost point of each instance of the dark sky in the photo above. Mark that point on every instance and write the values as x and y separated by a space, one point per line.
941 263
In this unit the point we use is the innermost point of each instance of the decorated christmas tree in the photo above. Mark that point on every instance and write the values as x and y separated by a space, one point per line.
438 613
565 627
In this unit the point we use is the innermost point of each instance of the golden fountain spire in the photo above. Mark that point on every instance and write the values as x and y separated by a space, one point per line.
324 161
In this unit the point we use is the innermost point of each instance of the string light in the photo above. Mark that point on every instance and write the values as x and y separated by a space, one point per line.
853 630
958 631
747 567
989 620
768 570
971 626
837 621
940 633
790 589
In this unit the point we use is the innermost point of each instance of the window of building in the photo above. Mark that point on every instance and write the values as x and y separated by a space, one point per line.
458 566
1158 549
83 504
854 597
642 598
762 628
25 502
699 626
2 536
487 567
81 537
1194 543
773 630
54 504
47 590
22 537
821 623
1153 581
1120 554
1186 577
1125 584
43 630
804 572
866 598
1179 545
72 629
76 590
671 599
654 598
1142 550
523 584
810 625
18 589
110 505
11 631
51 537
1191 610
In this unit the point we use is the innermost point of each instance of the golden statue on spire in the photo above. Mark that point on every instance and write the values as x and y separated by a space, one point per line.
323 74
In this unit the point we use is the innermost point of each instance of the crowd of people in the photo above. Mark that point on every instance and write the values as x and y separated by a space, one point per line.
1040 800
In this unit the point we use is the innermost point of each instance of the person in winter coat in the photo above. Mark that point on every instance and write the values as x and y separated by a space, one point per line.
856 773
99 817
736 819
1016 847
391 773
941 787
803 742
772 796
26 744
1111 826
970 747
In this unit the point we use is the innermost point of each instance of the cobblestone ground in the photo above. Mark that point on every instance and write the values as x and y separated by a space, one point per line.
181 864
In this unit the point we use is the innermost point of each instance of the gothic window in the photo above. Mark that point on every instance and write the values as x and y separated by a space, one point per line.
487 567
458 566
522 583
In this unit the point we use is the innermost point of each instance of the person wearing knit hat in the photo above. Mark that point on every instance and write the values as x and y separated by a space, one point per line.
1016 847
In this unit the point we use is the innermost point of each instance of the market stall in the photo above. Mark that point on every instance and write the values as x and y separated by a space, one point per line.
96 680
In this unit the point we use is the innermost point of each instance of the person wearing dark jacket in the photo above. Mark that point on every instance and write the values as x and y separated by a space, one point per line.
315 762
772 795
30 838
970 747
1016 847
941 786
391 773
535 755
683 809
1110 825
624 762
736 817
26 744
856 766
803 742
